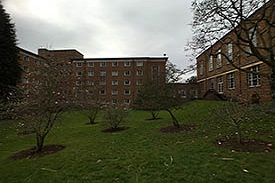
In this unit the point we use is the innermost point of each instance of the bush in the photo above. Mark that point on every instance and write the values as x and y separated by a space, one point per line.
114 115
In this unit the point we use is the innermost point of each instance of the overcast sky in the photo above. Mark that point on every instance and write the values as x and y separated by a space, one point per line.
105 28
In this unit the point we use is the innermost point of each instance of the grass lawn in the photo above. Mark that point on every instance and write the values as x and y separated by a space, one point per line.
141 153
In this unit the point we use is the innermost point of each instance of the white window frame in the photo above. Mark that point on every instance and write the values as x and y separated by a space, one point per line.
229 50
114 91
127 64
102 64
220 84
127 73
139 63
102 73
78 73
127 82
210 63
91 64
231 80
91 73
114 64
254 80
114 73
219 58
115 82
139 72
79 64
127 92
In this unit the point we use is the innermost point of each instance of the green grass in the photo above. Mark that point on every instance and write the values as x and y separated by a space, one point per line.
139 154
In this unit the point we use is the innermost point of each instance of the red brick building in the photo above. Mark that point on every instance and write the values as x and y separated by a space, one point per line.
216 72
107 80
116 80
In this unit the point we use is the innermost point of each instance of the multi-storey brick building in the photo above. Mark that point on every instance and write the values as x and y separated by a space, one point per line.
215 70
116 80
107 80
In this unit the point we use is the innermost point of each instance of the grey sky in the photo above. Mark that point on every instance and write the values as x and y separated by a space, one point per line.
105 28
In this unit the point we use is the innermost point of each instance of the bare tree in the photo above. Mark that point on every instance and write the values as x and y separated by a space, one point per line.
234 114
160 95
115 115
45 104
249 24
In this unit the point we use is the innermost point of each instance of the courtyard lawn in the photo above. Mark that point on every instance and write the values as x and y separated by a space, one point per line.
141 153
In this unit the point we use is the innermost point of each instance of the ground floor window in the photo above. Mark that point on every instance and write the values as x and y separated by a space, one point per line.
220 84
254 78
231 80
211 83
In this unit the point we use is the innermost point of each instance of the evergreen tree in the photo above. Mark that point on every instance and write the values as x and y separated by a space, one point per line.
9 66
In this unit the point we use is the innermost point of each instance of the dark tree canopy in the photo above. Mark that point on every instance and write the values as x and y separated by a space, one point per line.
9 66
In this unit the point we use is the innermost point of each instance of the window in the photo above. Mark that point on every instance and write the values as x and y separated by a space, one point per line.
26 58
102 82
91 64
25 80
102 64
114 92
114 82
127 82
155 71
127 92
229 49
254 78
102 73
201 68
210 63
230 80
219 59
127 64
102 92
220 85
90 83
26 69
114 64
37 62
139 73
114 73
127 73
90 73
78 83
139 81
139 63
193 93
114 101
182 93
79 73
211 83
127 101
79 64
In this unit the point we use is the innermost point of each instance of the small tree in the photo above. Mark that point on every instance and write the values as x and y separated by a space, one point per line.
114 115
234 114
162 95
46 103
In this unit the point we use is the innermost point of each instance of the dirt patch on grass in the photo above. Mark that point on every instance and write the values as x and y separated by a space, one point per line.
173 129
112 130
247 145
153 119
31 153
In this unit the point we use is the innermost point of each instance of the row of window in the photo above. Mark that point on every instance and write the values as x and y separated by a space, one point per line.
114 64
115 92
114 82
253 80
114 73
26 58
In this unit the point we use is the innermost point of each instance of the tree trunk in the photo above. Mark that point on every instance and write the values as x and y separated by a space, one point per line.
175 121
154 114
39 142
